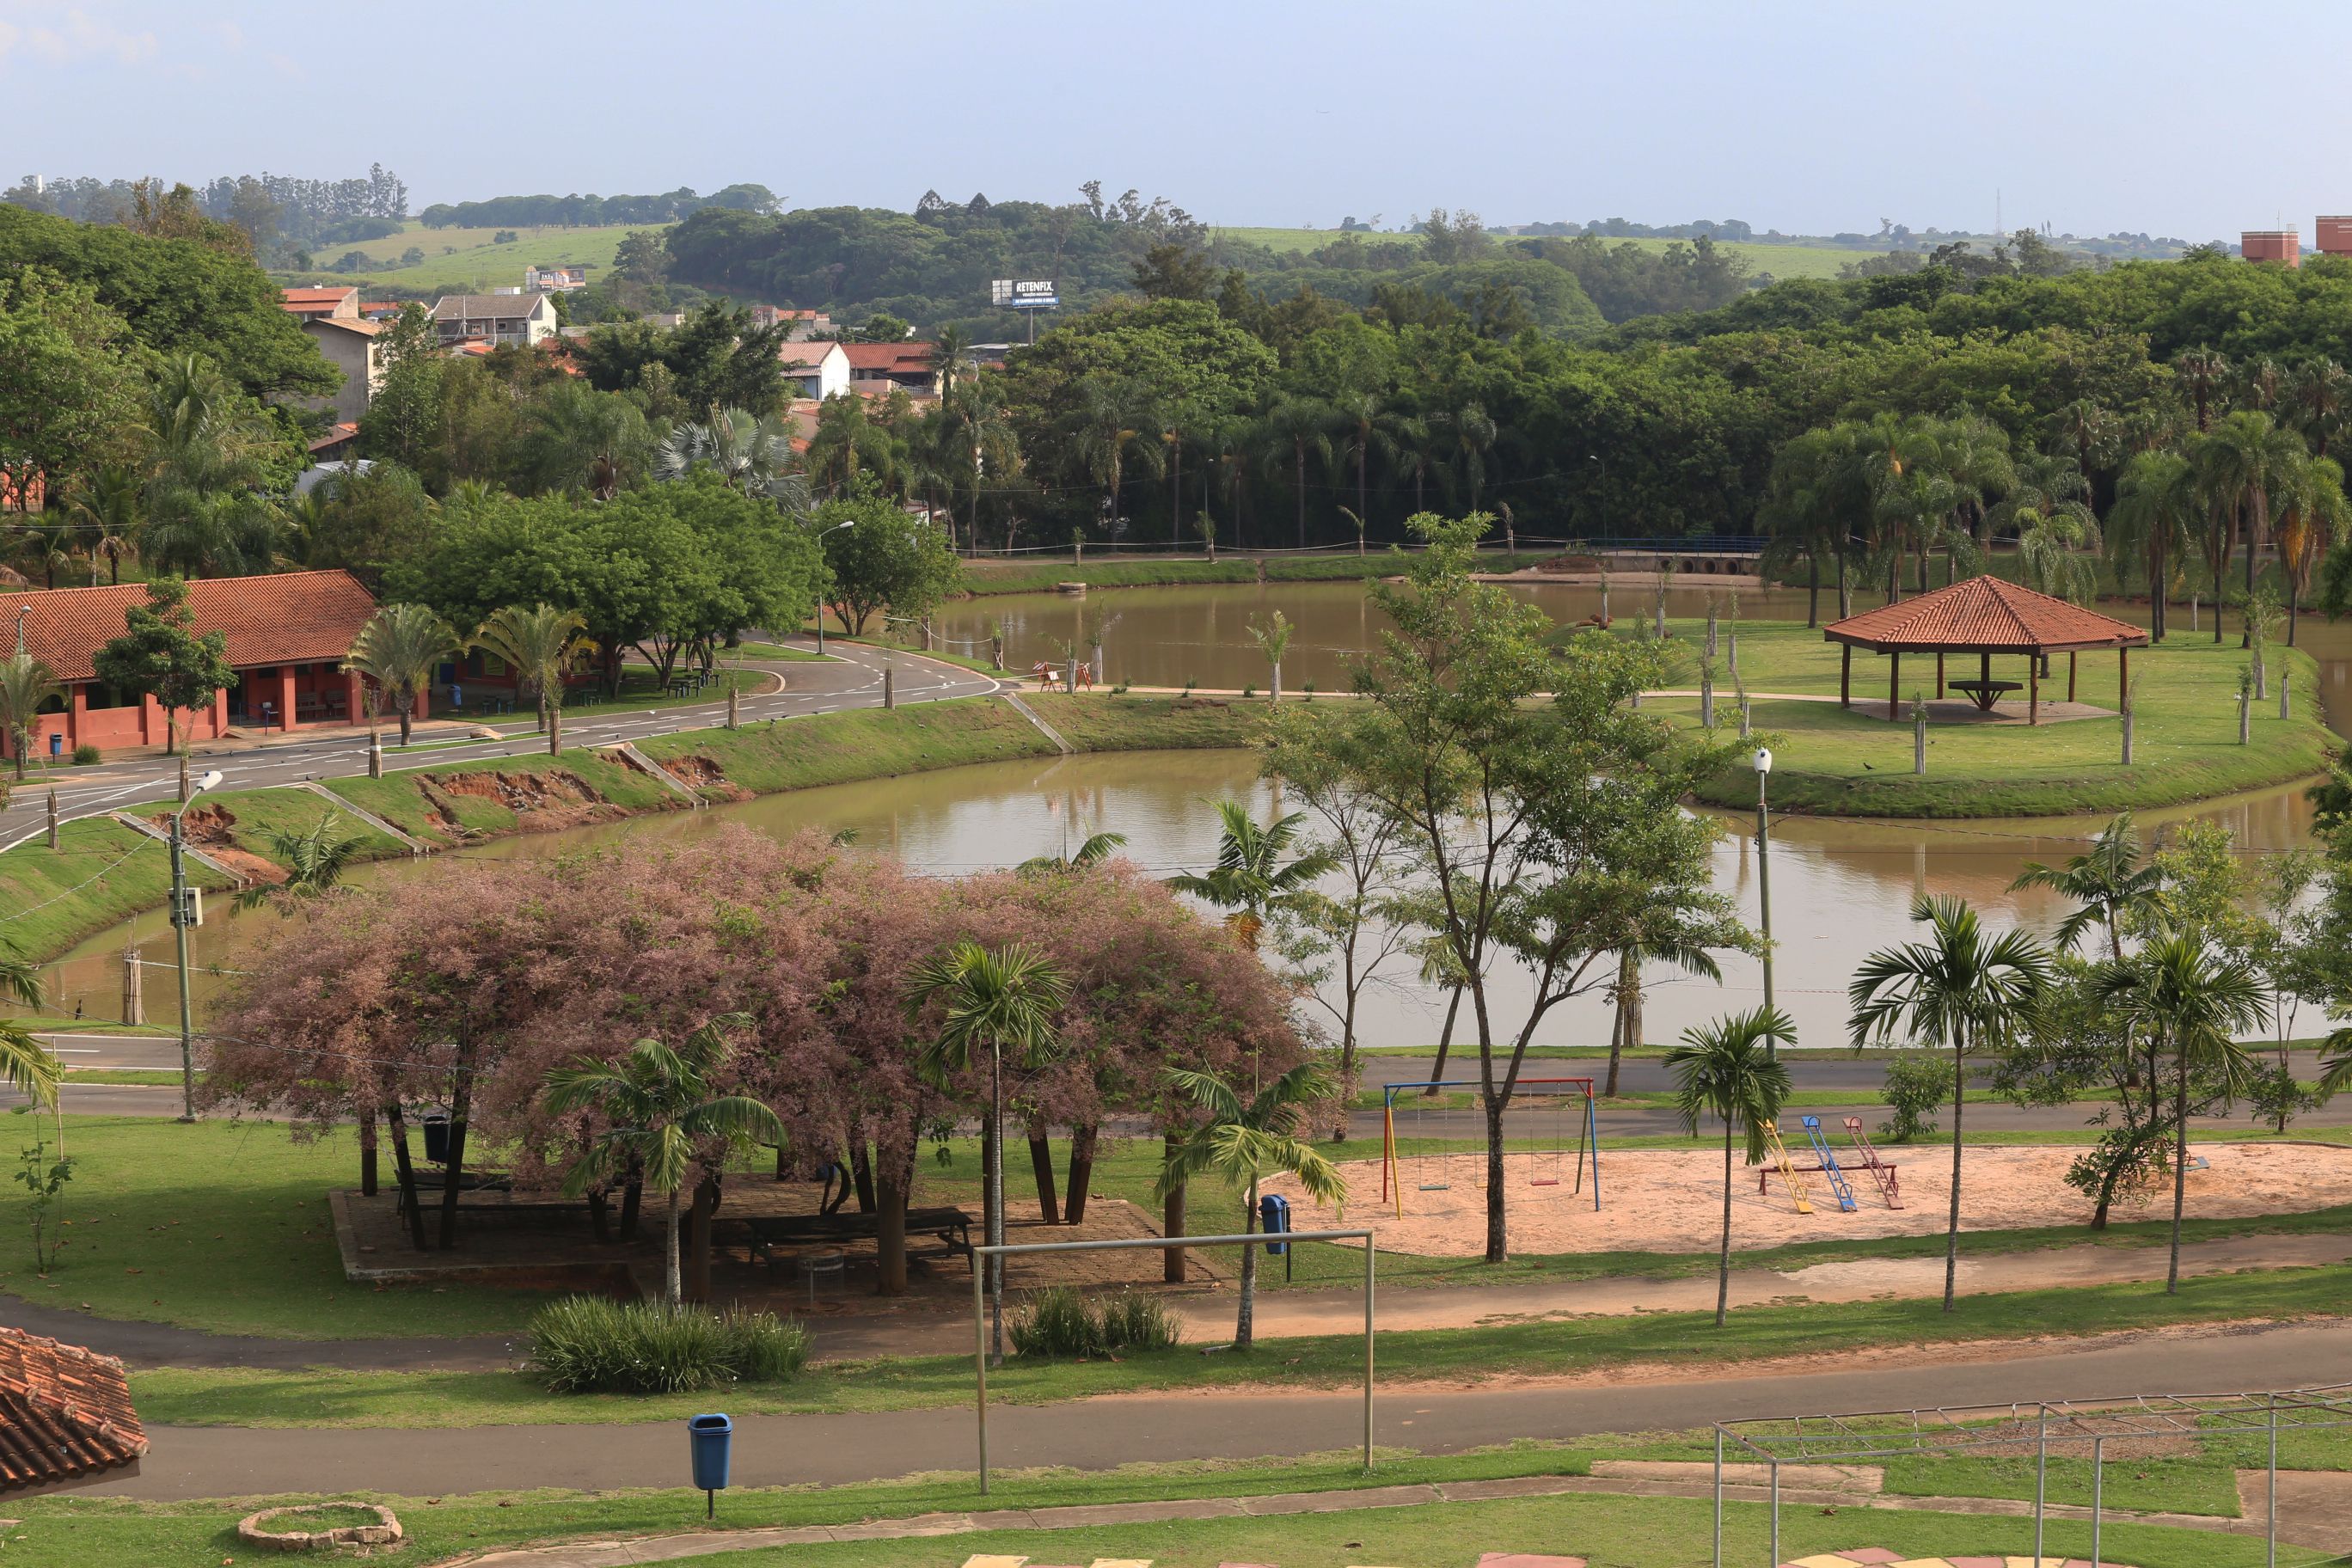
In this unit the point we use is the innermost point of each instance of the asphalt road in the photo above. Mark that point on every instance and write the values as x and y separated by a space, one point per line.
780 1451
852 678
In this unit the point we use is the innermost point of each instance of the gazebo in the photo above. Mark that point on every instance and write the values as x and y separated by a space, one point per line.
1984 615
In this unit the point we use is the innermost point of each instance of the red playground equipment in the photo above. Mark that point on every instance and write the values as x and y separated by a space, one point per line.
1866 1156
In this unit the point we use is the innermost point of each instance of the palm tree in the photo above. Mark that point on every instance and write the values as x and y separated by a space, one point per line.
751 453
2242 462
974 410
2204 372
2191 1004
107 509
1410 447
2316 394
26 683
2057 532
43 546
225 533
1729 1070
1472 435
1098 849
1101 432
951 347
659 1111
2314 517
540 643
2104 881
591 439
1358 417
1959 989
398 650
314 861
1273 639
1291 429
1246 1142
25 1067
999 1002
1250 880
2155 518
1817 501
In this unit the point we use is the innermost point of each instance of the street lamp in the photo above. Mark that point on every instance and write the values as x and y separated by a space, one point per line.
836 527
183 915
1764 877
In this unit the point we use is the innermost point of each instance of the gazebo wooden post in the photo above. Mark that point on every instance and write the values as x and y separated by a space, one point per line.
2072 655
1984 671
2122 679
1845 675
1940 675
1894 680
2033 691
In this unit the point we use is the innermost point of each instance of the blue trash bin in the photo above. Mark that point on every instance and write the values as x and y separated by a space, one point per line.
710 1437
1274 1218
57 745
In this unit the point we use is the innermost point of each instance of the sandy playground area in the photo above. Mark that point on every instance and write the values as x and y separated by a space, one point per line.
1664 1200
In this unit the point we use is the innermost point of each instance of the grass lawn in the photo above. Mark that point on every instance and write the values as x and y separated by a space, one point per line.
1832 761
464 258
1625 1533
100 873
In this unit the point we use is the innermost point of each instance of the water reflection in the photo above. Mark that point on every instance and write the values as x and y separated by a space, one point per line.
1840 889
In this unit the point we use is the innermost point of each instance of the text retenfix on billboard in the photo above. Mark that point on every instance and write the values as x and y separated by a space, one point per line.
1030 294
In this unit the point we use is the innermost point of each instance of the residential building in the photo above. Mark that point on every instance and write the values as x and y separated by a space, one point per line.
310 302
65 1418
336 320
2271 245
494 318
802 324
287 634
554 279
908 364
2334 237
819 369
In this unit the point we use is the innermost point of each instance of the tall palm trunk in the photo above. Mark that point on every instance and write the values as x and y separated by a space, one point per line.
1246 1321
1628 1031
1812 590
1300 444
2179 1162
1445 1041
995 1228
673 1285
1723 1259
1952 1229
2156 586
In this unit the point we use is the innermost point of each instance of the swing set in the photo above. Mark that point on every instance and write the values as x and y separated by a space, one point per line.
1433 1166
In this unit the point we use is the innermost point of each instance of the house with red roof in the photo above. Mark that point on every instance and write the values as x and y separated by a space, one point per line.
287 634
65 1418
336 320
877 367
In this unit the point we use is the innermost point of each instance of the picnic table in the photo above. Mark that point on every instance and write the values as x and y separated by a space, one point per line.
687 685
1985 693
952 1227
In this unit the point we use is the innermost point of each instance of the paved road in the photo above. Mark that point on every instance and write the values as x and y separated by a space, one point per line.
777 1450
852 678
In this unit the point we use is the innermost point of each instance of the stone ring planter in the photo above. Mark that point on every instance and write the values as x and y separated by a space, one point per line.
279 1529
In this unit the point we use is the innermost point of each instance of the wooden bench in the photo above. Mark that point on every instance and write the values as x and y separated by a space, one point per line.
951 1226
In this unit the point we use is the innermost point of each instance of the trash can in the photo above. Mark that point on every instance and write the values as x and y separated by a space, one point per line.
710 1437
56 743
1274 1218
437 1137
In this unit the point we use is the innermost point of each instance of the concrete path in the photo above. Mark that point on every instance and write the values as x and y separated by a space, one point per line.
852 678
1099 1434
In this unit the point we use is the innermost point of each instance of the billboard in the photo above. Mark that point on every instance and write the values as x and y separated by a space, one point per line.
1023 295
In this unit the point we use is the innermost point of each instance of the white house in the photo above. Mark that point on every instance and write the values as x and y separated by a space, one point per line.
330 318
518 318
820 370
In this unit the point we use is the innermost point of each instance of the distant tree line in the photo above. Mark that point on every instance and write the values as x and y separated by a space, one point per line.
592 210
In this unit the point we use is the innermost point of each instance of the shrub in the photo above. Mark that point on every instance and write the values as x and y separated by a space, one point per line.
1059 1321
592 1345
85 755
1917 1082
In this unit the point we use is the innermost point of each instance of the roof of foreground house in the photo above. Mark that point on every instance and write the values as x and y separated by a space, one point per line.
287 617
1987 615
65 1414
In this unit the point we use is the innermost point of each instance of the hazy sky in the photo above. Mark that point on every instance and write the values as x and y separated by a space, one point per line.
1817 116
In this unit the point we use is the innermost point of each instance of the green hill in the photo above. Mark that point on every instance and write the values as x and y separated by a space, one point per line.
457 259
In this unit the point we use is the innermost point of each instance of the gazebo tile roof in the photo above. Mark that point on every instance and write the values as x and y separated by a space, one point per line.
1986 613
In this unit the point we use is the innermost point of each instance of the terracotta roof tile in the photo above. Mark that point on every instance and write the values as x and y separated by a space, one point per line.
65 1414
316 301
1984 613
291 617
880 359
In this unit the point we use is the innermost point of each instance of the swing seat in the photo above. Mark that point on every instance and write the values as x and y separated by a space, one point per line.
1545 1182
1436 1187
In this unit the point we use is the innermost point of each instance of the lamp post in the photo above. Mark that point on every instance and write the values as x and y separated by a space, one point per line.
836 527
184 915
1764 878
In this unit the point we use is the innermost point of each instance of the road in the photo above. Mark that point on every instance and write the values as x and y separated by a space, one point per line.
852 678
1097 1434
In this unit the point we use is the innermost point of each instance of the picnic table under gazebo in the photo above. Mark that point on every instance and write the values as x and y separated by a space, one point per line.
1987 617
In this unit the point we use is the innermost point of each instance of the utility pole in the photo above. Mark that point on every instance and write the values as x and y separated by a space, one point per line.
183 915
1764 878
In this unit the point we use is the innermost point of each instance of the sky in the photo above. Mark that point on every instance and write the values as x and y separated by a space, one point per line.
2192 120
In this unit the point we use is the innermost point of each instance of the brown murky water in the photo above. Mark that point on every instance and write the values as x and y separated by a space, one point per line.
1840 889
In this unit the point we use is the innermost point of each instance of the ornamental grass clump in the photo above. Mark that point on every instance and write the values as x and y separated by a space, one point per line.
589 1344
1059 1321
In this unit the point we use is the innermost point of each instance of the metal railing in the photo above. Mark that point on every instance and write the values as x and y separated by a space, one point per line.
1151 1244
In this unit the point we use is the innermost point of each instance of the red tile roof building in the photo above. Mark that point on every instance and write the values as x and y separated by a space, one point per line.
342 304
1985 616
908 364
286 635
65 1418
2334 236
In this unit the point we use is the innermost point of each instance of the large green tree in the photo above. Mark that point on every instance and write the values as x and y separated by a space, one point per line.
882 558
160 654
69 381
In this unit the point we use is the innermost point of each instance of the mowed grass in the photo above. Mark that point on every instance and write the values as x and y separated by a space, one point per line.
1832 761
1622 1532
467 260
